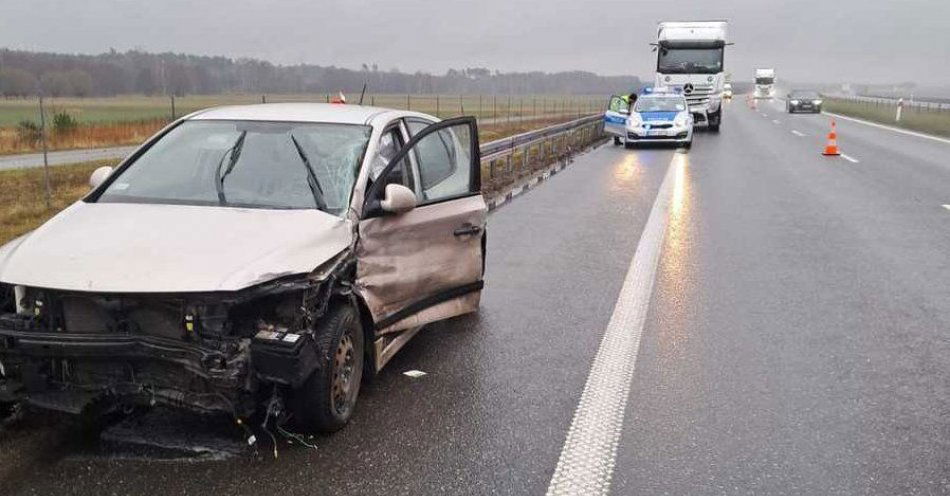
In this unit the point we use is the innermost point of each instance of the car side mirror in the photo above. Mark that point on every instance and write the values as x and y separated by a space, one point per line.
398 200
99 176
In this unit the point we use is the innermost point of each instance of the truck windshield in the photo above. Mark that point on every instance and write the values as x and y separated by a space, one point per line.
764 80
689 60
278 165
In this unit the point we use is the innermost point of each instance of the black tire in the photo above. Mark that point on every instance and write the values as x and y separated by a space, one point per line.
326 401
688 145
617 141
714 121
629 146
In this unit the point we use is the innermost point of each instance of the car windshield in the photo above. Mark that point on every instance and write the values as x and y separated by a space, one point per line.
660 104
764 80
804 95
280 165
689 60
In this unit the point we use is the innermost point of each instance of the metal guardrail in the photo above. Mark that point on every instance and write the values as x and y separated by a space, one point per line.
507 160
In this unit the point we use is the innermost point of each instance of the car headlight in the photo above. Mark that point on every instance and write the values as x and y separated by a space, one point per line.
816 102
794 102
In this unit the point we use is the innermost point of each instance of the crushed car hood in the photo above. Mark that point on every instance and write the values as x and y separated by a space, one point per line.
120 247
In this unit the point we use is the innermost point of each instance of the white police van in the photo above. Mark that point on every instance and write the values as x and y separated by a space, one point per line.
659 115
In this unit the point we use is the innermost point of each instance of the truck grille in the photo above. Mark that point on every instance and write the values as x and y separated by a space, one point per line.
700 94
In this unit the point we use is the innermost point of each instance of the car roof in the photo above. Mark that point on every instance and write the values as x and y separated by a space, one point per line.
300 112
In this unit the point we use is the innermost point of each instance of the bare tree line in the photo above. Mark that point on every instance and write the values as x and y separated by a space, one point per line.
24 73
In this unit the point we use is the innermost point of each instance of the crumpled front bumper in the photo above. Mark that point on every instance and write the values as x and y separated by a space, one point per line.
63 372
69 372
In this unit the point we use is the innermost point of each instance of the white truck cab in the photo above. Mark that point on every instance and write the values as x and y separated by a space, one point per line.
690 55
764 84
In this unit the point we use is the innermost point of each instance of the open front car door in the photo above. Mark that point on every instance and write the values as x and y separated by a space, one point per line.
615 118
420 256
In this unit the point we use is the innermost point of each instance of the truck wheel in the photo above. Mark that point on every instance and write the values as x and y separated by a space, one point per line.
714 120
617 141
326 401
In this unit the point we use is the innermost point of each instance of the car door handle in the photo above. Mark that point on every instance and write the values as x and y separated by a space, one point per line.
467 231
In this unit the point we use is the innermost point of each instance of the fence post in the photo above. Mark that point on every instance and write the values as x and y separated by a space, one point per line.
437 105
494 107
263 98
509 109
408 102
173 106
45 151
479 105
461 106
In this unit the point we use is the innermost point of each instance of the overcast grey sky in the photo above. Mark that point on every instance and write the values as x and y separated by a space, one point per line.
805 40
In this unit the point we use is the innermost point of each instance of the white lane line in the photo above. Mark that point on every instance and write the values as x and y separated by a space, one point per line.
850 158
797 133
946 206
889 128
775 121
587 459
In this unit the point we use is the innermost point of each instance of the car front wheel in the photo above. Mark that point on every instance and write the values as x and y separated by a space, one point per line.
326 401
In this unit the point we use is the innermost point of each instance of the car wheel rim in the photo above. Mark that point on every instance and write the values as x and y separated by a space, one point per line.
344 364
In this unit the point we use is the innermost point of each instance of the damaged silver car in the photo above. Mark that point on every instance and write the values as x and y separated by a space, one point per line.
246 255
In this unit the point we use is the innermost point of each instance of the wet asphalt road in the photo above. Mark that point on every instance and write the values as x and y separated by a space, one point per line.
796 343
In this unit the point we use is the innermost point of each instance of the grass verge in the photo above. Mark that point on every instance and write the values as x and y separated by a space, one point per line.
23 202
925 121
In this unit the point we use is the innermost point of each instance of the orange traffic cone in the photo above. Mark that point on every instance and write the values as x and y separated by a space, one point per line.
831 149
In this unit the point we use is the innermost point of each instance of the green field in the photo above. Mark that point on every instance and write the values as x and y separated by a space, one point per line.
132 108
925 121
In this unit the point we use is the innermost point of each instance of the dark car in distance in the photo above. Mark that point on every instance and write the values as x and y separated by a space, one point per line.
803 101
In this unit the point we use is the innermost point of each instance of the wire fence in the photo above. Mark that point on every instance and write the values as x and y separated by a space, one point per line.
496 107
72 123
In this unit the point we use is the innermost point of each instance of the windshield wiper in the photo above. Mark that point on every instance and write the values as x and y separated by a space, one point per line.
235 152
311 176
